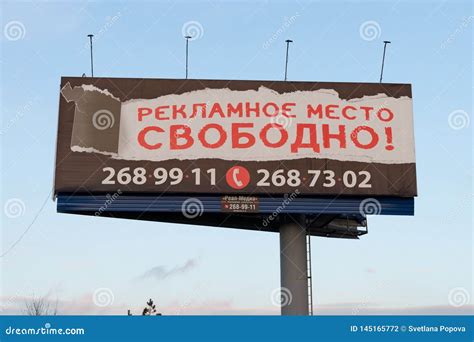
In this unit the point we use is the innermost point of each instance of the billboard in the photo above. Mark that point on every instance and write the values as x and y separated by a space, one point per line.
235 137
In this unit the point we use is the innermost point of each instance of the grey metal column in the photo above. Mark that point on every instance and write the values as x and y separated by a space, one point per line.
293 266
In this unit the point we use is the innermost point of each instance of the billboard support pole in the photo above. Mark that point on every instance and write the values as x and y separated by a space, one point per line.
293 266
288 41
385 42
92 60
187 53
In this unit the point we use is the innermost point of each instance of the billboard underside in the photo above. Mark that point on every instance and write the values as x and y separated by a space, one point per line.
327 216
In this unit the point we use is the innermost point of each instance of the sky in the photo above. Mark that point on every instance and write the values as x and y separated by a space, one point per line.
418 264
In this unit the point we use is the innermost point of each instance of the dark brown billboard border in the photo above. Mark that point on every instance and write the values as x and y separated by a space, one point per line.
79 171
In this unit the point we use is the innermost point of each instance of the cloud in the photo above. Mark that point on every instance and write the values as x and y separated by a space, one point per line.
161 272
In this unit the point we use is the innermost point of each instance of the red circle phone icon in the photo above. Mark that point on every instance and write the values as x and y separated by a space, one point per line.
238 177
